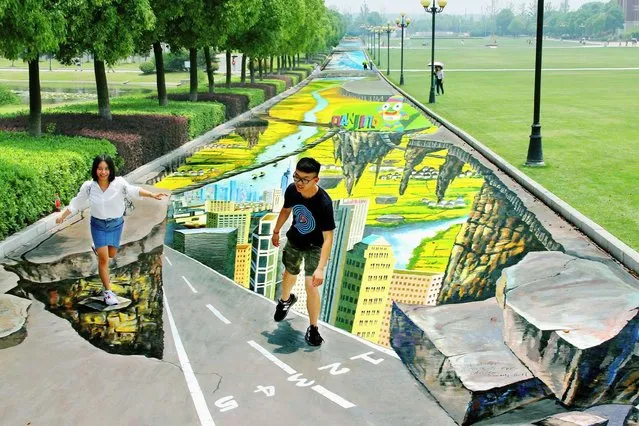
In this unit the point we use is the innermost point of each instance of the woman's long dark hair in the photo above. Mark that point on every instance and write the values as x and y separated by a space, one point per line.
96 162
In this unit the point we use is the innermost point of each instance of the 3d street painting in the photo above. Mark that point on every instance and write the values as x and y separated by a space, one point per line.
433 256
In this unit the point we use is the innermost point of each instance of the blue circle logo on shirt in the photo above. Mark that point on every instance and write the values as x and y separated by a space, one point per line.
304 220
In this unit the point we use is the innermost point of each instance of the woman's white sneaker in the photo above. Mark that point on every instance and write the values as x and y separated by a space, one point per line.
109 298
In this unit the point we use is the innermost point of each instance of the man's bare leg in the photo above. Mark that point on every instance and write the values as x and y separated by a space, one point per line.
288 281
313 301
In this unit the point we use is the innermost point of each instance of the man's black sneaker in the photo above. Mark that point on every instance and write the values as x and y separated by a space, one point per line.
313 337
282 307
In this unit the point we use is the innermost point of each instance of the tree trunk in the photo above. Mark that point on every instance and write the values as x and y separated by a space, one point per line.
209 69
252 70
279 64
298 60
193 74
260 68
228 69
243 75
35 101
271 65
104 107
159 73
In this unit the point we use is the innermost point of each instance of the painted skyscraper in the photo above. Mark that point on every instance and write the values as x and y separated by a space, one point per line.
350 220
364 291
214 247
264 257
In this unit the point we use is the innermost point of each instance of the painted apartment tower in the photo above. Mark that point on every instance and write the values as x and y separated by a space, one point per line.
243 264
365 288
264 257
350 220
410 288
214 247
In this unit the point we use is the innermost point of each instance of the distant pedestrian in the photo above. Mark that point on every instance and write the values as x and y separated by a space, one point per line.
439 79
365 65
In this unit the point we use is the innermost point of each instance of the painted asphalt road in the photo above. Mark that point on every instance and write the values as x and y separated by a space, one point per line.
243 368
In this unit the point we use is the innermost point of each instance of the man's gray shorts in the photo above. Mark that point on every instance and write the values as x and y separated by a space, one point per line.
293 256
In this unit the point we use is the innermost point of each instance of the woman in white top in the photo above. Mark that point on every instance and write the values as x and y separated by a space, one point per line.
105 195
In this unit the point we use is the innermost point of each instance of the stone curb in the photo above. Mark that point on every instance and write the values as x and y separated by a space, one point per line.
150 170
611 244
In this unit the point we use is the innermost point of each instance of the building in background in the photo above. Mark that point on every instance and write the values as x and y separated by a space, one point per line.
243 265
630 13
410 288
239 219
368 271
350 220
264 256
214 247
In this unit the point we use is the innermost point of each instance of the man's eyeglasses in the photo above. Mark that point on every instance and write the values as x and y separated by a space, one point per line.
298 179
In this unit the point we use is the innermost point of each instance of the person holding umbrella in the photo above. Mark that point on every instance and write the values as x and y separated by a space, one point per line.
439 78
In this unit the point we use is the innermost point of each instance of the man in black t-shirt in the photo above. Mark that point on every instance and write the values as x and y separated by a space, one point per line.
309 238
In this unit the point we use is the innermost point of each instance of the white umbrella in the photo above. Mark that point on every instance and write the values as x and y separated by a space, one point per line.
437 64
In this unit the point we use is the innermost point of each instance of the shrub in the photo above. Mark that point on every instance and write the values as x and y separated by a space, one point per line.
147 67
202 117
174 61
256 96
7 97
288 81
33 170
138 138
269 89
234 104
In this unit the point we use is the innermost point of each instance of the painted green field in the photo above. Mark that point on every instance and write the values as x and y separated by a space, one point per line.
589 118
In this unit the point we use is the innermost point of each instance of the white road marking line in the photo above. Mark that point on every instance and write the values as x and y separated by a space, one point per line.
289 370
191 381
218 314
187 281
333 397
167 259
378 348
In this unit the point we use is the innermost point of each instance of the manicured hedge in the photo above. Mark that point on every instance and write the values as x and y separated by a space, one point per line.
138 138
234 104
33 170
288 80
269 89
280 85
256 96
202 117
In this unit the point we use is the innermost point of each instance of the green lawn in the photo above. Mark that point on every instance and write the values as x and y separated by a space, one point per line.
511 53
589 125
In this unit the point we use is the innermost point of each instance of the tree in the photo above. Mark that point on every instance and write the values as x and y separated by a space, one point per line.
164 11
503 20
27 29
110 30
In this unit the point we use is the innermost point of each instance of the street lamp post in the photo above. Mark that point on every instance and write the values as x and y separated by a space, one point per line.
379 41
388 30
535 153
372 31
433 10
402 22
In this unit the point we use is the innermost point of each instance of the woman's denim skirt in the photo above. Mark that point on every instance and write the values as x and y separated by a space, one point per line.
106 232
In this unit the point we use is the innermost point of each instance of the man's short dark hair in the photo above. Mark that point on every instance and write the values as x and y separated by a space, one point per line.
96 162
308 165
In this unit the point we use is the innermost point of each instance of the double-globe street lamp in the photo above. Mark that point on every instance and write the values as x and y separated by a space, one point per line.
402 22
378 30
388 29
433 10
